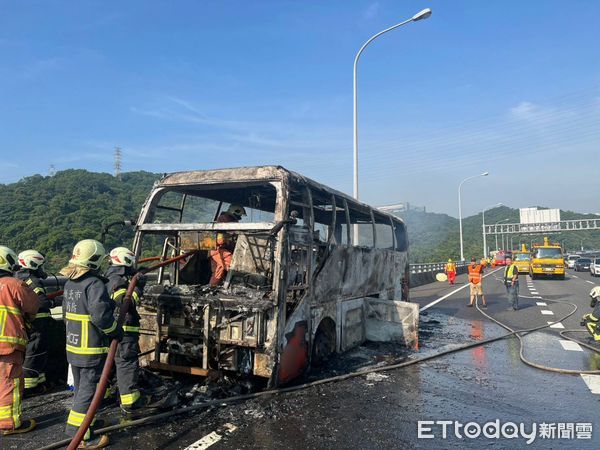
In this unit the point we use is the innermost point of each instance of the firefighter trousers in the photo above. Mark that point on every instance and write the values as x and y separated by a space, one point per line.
594 329
36 355
85 380
11 390
128 370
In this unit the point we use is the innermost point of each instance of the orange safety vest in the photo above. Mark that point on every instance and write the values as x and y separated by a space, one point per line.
450 267
475 273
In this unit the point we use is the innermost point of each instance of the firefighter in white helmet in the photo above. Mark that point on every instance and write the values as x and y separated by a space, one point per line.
18 306
121 270
31 271
90 324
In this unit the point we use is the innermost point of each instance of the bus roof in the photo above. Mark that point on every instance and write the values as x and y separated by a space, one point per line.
253 174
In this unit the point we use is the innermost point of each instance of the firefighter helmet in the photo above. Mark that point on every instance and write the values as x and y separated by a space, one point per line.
595 293
31 259
88 253
236 211
8 259
122 256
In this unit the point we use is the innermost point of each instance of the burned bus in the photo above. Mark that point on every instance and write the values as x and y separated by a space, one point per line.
312 272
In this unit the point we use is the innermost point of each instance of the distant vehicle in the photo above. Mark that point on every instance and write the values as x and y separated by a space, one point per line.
571 260
547 259
522 259
595 267
582 264
500 257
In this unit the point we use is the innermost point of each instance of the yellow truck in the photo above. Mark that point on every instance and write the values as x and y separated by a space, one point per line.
547 259
522 259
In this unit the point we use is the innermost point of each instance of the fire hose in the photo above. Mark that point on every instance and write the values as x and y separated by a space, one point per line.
101 388
272 392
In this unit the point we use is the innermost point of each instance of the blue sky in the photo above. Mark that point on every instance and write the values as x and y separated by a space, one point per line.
509 86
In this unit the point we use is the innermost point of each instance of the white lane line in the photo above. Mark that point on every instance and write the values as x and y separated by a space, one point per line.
547 312
574 276
591 282
535 293
541 303
556 325
435 302
592 381
570 345
212 438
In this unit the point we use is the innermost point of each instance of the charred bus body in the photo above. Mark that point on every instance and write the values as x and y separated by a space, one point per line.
302 282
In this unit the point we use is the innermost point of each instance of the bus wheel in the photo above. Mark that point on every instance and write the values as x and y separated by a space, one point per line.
323 342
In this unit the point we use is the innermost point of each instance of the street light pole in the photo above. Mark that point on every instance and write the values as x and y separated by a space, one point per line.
484 174
485 252
424 14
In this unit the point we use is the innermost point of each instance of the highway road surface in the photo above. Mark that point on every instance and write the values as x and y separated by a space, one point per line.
488 389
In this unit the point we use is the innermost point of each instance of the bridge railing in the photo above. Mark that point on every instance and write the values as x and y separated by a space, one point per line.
425 273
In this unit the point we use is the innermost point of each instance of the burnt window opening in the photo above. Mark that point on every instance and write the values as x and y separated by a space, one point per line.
384 232
363 222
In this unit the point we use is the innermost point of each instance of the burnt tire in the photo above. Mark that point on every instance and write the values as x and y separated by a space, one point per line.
323 343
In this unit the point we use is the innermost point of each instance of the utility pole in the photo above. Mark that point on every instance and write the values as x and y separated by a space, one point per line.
118 157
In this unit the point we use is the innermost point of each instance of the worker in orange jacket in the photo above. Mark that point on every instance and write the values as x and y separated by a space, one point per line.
475 282
451 271
18 306
220 259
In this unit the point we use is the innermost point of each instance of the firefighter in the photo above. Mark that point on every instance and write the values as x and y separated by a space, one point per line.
220 259
36 356
18 306
90 324
119 274
476 282
511 281
591 321
451 271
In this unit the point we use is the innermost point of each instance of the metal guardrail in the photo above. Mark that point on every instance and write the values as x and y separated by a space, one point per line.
432 267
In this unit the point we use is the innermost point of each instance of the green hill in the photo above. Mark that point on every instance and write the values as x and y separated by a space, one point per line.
435 237
52 213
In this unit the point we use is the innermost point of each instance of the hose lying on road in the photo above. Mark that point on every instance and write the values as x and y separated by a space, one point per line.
371 369
362 372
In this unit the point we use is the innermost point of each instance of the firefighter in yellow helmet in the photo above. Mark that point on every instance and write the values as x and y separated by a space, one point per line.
450 270
119 274
31 271
221 257
18 306
90 324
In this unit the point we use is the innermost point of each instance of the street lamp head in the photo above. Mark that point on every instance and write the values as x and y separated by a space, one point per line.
422 15
485 174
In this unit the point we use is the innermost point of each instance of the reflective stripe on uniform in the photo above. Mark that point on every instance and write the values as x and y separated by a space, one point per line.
13 340
42 315
87 350
29 282
11 310
593 330
31 382
131 329
130 399
75 419
110 329
123 291
39 290
5 412
17 407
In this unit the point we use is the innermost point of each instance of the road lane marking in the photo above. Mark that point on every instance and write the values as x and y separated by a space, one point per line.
535 292
541 303
575 276
547 312
591 282
212 438
556 325
570 345
592 381
435 302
